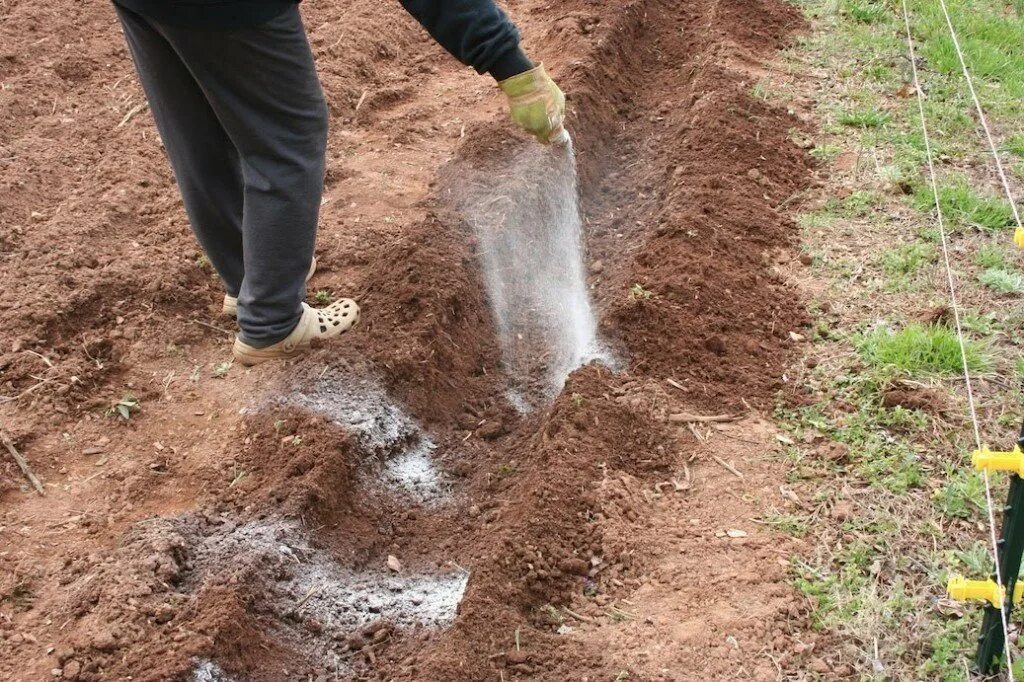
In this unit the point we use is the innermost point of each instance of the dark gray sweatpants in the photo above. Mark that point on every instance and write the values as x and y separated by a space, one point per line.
244 122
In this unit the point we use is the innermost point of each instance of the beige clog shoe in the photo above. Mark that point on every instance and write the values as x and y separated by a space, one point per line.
315 323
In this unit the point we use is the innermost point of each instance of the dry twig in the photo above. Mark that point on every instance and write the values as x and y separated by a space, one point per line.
685 417
41 357
579 616
675 384
728 467
212 326
12 398
22 464
313 590
131 114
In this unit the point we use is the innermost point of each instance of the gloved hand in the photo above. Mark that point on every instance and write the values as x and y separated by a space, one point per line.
537 105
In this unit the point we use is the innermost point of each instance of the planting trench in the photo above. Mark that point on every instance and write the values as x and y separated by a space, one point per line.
380 509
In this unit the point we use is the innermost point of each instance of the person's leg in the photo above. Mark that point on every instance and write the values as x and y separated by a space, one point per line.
204 160
262 84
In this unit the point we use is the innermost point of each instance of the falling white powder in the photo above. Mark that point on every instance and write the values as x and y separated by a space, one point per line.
526 216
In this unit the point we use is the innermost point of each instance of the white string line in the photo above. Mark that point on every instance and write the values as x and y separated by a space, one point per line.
981 114
959 330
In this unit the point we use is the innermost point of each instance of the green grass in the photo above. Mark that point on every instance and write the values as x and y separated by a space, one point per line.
826 152
760 91
946 647
907 259
877 455
797 525
836 592
1003 281
865 12
990 256
962 495
872 580
1015 145
858 204
864 118
989 36
898 174
922 351
962 206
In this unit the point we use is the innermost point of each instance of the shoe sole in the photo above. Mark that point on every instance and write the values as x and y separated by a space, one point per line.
249 356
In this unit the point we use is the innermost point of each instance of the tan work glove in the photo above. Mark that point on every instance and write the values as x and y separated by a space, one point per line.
537 105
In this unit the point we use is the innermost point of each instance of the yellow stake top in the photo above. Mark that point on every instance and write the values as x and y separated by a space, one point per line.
993 460
962 589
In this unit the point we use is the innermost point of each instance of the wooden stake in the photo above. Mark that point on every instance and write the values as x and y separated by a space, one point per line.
23 465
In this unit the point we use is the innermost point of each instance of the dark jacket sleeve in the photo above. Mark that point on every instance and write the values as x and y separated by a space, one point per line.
476 32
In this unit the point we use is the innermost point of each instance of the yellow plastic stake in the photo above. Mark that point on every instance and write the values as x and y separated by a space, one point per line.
993 460
1018 236
962 589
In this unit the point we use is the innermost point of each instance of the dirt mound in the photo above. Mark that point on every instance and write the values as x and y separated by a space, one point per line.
379 510
682 205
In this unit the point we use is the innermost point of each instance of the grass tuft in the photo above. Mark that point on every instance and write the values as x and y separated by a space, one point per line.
1015 145
1003 281
866 12
907 259
864 118
991 256
921 350
963 207
962 496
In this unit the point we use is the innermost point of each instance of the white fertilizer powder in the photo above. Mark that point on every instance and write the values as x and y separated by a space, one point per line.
298 583
413 473
208 671
525 213
359 405
400 455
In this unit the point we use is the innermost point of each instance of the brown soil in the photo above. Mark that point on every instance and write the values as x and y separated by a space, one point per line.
916 398
242 523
